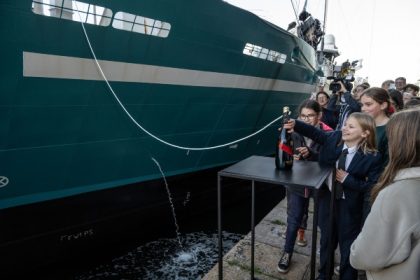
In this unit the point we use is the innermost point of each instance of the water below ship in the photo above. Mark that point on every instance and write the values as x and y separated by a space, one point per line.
159 255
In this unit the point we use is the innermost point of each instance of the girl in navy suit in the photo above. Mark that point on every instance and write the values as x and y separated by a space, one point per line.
352 151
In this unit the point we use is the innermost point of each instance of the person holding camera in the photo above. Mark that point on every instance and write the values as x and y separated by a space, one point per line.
342 101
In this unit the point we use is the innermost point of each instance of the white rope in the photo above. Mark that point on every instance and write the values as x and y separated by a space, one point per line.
142 128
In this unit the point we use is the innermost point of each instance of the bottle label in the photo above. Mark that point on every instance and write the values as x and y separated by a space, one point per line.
287 149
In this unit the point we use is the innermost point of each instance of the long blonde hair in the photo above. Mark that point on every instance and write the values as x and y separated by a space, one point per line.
367 123
403 131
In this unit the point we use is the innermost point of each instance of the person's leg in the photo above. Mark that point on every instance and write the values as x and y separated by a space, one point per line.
323 224
295 207
304 223
287 197
348 228
301 241
295 210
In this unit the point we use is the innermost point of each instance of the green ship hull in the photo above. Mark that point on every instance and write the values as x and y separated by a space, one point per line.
192 73
62 132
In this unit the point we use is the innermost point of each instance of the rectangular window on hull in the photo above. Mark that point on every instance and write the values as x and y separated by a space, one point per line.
139 24
73 10
263 53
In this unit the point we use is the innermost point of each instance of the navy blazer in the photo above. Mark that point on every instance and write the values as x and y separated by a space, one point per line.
364 170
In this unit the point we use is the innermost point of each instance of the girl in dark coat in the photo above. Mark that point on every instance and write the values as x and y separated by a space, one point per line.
352 152
298 199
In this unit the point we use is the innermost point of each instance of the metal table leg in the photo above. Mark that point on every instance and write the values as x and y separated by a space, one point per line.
314 234
252 228
219 225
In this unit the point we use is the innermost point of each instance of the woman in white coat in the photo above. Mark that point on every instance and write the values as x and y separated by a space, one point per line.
388 247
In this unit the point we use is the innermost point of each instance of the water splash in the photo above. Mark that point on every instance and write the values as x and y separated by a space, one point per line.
163 259
170 202
185 257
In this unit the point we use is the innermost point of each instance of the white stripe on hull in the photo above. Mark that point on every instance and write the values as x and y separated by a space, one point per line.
66 67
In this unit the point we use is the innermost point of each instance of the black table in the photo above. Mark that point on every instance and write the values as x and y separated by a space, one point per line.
262 169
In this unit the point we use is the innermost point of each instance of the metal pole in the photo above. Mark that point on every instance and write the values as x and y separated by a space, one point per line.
219 225
314 233
324 28
330 251
325 17
252 228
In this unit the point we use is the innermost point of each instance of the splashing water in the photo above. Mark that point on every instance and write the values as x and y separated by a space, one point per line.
163 259
185 257
170 202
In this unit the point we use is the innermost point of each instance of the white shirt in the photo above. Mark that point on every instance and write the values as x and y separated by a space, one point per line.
351 152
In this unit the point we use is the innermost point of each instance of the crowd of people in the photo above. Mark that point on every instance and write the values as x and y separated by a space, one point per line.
371 136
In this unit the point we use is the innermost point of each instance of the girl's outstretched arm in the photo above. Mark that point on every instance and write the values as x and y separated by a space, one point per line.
310 131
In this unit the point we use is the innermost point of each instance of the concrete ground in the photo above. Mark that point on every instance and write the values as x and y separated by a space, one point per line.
268 246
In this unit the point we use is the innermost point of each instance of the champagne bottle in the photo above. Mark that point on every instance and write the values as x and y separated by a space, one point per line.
284 149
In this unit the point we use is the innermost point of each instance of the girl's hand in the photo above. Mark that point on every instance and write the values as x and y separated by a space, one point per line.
296 156
289 126
340 175
303 151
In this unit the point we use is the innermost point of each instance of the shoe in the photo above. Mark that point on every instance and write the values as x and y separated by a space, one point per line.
301 241
284 263
337 270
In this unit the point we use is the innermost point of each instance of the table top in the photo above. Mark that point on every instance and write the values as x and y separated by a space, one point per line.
263 169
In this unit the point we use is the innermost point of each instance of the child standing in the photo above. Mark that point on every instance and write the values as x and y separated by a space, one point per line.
352 151
304 148
376 103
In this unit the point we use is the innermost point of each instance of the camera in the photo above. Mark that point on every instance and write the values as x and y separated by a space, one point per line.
344 74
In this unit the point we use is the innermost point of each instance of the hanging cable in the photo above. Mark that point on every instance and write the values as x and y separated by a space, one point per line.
295 11
141 127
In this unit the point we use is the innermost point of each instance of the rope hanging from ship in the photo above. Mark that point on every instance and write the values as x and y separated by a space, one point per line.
141 127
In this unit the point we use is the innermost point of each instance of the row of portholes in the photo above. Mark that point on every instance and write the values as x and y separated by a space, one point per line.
263 53
97 15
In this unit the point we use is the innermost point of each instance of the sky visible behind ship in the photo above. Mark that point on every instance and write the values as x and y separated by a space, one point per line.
383 33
